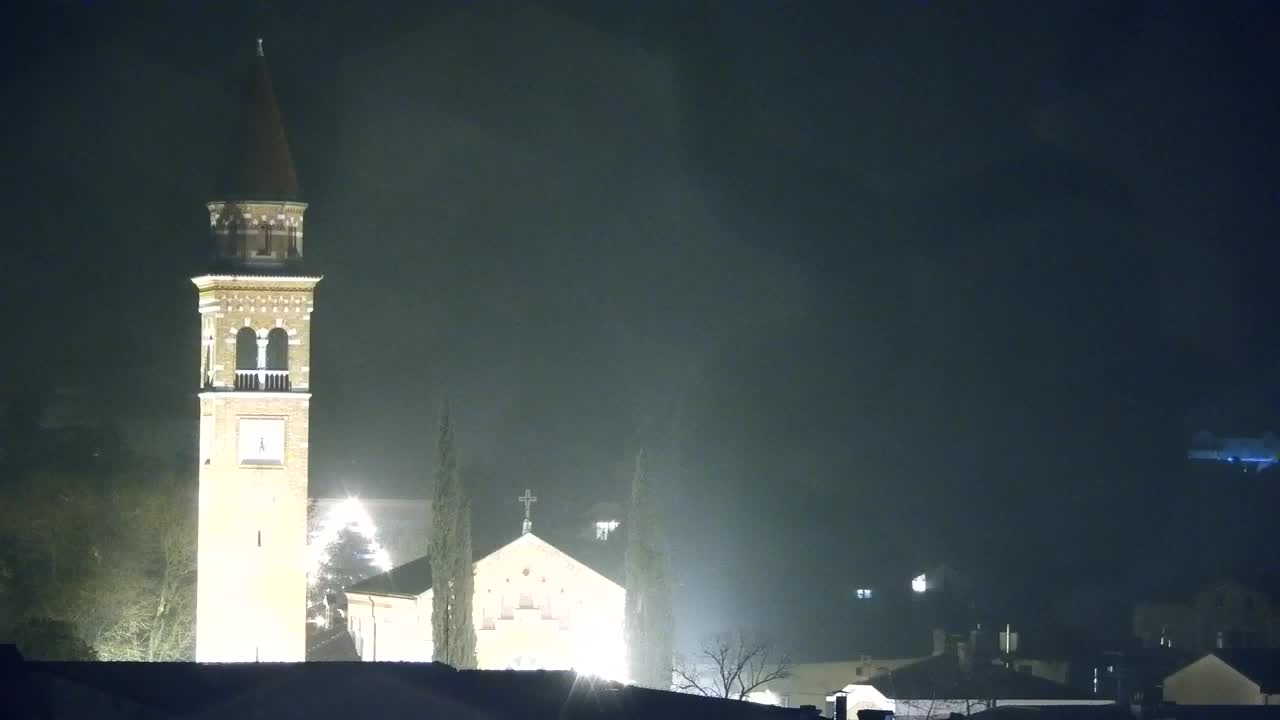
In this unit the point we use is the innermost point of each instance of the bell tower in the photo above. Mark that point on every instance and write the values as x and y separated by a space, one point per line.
255 305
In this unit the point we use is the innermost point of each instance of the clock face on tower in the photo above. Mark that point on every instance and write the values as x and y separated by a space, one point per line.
261 441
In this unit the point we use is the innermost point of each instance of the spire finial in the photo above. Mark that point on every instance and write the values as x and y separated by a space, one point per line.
260 47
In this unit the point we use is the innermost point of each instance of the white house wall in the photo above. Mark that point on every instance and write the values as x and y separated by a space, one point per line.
389 628
1211 681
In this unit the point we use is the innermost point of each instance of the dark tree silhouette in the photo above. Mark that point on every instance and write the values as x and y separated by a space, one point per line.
349 560
45 639
730 665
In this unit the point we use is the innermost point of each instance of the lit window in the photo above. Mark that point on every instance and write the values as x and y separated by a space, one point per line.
919 583
864 593
604 527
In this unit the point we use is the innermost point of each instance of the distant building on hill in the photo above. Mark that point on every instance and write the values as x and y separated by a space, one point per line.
1226 614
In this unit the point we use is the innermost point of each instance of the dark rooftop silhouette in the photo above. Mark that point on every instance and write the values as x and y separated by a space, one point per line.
335 689
942 676
1055 712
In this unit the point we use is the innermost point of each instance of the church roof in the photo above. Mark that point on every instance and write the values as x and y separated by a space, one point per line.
414 577
257 164
409 579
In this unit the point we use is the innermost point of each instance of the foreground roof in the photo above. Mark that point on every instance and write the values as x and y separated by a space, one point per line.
336 689
1055 712
1173 711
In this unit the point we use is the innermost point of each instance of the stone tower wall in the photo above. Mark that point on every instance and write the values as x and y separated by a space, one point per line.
251 584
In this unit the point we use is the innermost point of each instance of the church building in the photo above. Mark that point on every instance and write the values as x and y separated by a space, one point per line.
255 306
535 608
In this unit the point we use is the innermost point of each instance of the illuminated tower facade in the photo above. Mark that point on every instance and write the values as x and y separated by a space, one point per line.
255 306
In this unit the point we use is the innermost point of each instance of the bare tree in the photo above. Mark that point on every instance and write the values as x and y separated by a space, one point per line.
730 665
113 561
151 577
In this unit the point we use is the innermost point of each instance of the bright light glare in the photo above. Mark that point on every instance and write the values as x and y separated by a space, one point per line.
919 584
599 648
764 697
349 513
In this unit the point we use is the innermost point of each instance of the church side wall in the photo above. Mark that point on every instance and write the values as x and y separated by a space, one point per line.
389 629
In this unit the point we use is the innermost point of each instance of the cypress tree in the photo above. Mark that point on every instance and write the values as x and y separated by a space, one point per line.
443 546
649 624
462 634
453 634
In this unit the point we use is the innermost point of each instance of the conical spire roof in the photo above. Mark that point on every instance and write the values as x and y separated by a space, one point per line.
258 165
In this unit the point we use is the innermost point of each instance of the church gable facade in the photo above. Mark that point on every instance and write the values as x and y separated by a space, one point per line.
535 608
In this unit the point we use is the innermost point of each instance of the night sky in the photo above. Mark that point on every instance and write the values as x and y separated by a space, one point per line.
887 283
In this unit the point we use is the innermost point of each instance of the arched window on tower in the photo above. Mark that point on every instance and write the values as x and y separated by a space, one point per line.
277 377
206 367
239 236
231 238
246 359
293 241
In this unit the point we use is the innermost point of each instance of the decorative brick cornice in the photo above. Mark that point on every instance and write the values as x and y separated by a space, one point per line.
256 282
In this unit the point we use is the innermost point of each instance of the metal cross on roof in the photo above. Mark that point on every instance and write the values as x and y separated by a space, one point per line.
528 499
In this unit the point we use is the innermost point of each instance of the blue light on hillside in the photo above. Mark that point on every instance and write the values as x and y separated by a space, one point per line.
1250 454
